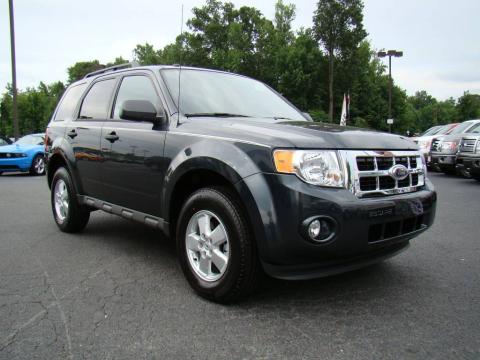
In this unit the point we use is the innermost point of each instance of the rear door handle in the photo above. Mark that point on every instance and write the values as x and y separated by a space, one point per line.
112 137
72 133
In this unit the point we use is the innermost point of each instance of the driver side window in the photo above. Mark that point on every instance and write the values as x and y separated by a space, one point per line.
136 87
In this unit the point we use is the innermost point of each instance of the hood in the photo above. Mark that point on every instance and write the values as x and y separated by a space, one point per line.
299 134
15 148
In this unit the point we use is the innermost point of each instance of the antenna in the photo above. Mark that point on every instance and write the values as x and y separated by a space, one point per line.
180 69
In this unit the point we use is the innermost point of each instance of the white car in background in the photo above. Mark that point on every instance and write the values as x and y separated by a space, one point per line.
425 140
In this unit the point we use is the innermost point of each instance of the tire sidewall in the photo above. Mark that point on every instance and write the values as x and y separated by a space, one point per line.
207 199
62 174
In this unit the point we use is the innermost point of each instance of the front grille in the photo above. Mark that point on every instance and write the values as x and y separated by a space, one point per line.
468 145
374 173
435 145
388 230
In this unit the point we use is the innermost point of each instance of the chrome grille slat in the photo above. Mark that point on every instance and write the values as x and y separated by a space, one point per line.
360 181
468 145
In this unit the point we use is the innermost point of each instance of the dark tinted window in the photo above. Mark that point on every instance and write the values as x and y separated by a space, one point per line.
135 88
69 102
95 104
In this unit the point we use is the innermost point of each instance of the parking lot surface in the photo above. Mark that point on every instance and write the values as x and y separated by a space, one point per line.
116 291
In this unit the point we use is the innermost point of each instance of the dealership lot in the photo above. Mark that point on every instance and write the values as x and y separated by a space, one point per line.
116 291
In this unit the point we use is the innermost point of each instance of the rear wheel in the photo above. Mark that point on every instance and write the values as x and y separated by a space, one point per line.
215 246
69 215
38 165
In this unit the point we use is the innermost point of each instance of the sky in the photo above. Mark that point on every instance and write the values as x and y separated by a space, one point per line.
439 38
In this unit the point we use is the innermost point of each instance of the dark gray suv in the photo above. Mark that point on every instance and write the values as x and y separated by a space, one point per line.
240 178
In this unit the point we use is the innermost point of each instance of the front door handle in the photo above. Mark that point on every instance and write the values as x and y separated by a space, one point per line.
112 137
72 133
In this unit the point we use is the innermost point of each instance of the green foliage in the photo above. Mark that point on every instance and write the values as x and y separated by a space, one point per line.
469 106
81 68
35 107
338 27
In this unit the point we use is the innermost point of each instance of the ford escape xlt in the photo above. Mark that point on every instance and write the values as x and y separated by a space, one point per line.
236 175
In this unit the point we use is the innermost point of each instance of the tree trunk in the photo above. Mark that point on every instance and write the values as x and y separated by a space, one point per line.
330 85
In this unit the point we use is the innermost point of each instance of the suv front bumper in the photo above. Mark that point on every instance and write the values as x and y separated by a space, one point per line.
367 230
469 161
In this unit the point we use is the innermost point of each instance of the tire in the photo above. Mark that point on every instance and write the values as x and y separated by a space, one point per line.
449 170
475 176
465 173
224 213
74 217
38 165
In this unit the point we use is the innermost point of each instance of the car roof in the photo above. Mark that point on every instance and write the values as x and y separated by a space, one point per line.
123 69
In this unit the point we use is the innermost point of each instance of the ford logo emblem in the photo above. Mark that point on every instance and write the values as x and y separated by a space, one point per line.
398 172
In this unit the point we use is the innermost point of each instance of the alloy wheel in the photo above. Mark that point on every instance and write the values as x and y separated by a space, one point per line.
61 200
207 245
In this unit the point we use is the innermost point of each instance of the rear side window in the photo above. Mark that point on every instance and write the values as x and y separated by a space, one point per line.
96 102
135 88
69 103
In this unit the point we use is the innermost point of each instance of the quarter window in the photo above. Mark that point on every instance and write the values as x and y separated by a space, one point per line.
95 104
135 88
69 103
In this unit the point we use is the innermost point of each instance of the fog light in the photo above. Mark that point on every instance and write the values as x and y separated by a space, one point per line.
319 229
314 229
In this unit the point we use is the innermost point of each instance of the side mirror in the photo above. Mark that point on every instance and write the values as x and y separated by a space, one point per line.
307 116
140 110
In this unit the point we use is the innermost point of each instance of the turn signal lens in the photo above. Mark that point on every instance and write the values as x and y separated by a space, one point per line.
284 161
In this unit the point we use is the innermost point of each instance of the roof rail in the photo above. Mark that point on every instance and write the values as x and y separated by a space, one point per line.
112 68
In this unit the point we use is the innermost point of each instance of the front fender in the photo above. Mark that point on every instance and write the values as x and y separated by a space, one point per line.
233 161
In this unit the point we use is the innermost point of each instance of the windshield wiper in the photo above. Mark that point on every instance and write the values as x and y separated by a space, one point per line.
278 118
215 114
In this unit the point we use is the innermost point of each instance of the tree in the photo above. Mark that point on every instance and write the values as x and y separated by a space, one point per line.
81 68
469 106
338 26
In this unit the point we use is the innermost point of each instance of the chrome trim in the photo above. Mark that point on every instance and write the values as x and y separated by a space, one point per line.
353 174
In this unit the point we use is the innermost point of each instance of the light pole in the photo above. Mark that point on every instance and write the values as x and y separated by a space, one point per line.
390 53
14 71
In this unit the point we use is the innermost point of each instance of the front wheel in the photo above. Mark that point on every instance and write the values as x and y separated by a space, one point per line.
215 246
70 216
38 165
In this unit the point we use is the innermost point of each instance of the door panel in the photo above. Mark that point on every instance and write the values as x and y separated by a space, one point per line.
84 138
84 135
134 166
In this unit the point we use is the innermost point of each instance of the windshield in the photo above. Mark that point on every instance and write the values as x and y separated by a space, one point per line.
212 93
461 128
431 131
444 130
30 140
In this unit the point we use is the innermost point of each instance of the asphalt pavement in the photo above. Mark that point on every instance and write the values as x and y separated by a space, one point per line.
116 291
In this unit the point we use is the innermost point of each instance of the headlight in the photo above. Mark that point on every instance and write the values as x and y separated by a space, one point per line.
317 167
15 155
449 145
